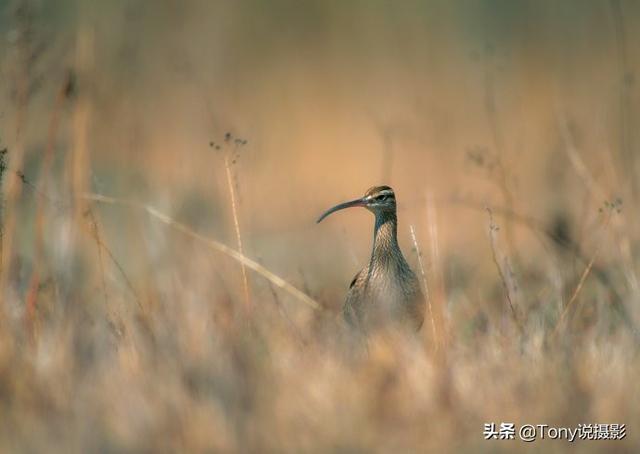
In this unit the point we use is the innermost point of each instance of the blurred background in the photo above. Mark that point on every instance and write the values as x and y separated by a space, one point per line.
506 128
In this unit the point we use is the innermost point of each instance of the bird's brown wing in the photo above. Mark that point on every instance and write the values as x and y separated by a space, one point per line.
349 310
355 278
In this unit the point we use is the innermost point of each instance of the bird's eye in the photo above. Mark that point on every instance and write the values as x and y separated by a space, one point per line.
382 197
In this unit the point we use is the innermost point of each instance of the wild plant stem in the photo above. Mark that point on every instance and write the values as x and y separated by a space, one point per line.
505 285
578 288
424 284
236 224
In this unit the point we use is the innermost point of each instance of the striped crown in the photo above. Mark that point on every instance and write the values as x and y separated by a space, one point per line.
378 191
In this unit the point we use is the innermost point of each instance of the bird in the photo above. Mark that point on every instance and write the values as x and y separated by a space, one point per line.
386 291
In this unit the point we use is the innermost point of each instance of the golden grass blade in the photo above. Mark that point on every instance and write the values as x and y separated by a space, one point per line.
576 292
236 225
424 284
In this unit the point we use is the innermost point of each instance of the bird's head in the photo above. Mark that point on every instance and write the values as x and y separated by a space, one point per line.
378 200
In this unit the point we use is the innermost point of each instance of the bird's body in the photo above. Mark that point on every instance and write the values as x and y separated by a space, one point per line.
385 291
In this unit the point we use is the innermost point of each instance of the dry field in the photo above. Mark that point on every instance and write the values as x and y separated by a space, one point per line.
164 286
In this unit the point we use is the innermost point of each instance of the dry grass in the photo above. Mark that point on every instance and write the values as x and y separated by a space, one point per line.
149 303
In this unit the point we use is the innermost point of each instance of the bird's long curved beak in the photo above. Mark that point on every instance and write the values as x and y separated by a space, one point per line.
342 206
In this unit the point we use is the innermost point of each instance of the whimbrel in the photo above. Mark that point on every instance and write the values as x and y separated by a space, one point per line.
386 290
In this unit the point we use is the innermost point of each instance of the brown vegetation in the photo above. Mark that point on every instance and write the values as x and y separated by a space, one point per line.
164 286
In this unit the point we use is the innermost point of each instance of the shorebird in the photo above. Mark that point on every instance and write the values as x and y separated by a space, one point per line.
386 290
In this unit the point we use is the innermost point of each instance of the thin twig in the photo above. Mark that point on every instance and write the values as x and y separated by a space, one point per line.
583 278
102 246
576 291
236 225
492 229
120 269
285 315
96 236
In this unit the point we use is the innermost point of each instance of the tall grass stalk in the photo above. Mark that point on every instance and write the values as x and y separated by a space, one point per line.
236 225
425 285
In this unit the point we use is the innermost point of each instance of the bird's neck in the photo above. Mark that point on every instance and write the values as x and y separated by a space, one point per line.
385 237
